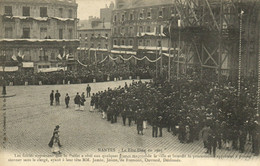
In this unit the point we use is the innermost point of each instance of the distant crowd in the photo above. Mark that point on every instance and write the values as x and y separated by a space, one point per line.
81 75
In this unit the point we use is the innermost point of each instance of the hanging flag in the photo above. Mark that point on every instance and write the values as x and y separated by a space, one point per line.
19 57
161 29
14 58
59 56
67 56
179 23
157 29
63 56
160 51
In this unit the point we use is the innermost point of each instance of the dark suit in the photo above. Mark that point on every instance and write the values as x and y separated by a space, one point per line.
51 98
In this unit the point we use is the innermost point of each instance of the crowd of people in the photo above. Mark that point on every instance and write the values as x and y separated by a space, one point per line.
100 73
190 108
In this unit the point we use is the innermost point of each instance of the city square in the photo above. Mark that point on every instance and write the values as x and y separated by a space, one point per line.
29 126
129 81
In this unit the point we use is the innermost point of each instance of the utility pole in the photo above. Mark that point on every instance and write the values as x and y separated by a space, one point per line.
169 47
179 47
240 55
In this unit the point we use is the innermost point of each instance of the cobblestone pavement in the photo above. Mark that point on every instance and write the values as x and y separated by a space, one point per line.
28 121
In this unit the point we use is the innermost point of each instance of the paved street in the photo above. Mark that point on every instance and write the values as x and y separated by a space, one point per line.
30 122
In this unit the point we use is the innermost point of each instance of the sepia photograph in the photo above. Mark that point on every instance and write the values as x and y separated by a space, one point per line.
129 82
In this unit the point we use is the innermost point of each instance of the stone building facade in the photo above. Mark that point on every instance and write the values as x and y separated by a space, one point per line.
94 42
137 28
95 36
39 31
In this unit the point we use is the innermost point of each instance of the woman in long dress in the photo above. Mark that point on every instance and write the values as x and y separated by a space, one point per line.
82 102
55 147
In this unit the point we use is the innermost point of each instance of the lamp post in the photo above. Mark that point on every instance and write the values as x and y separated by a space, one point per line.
4 83
239 55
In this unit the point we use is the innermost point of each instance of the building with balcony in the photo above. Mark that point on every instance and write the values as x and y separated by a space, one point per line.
94 42
40 31
137 28
95 36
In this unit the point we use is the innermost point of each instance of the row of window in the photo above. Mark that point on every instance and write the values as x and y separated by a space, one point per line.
43 11
141 15
43 33
140 29
92 35
96 46
140 42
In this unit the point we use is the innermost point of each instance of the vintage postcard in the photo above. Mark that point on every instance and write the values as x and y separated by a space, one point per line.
129 82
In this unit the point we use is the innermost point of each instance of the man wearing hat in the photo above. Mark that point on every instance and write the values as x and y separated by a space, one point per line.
51 97
160 125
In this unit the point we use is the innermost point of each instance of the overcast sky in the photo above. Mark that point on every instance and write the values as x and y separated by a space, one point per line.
88 8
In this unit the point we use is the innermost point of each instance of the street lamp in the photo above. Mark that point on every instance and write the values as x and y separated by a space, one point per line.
4 83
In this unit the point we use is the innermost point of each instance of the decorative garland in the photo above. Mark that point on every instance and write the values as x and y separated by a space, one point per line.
103 60
140 59
125 59
82 64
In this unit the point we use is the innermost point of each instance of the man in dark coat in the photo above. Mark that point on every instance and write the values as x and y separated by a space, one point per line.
57 97
123 114
155 126
160 125
182 133
51 97
139 124
212 143
77 101
67 100
88 90
129 116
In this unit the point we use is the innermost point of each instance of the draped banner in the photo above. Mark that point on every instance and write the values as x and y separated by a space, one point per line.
125 59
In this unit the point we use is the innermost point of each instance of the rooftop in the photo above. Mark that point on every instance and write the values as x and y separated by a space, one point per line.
72 2
100 26
128 4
